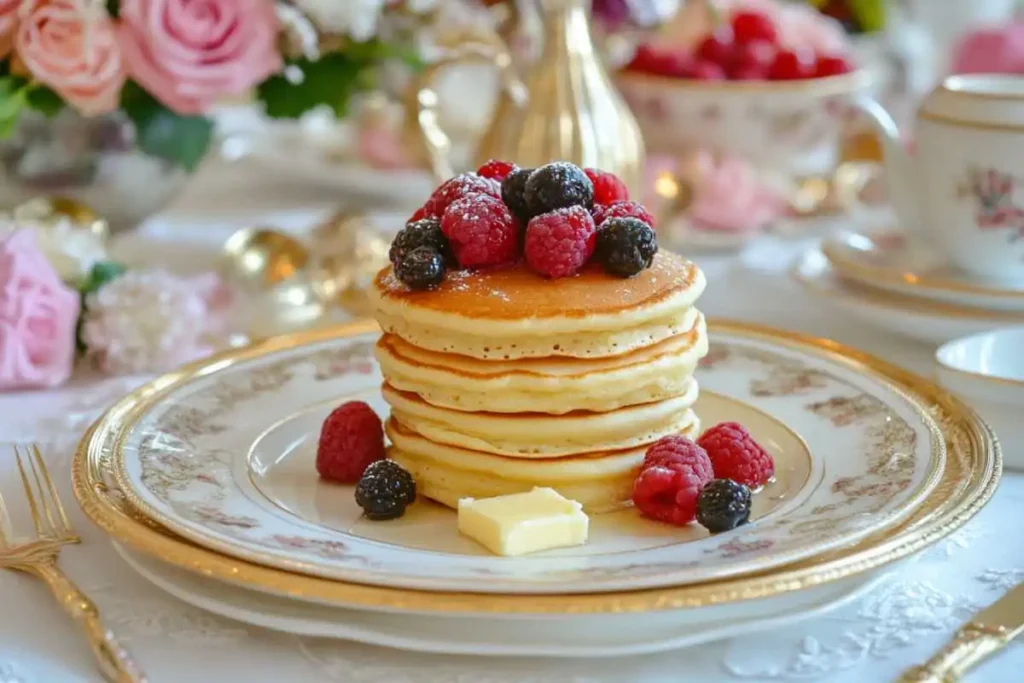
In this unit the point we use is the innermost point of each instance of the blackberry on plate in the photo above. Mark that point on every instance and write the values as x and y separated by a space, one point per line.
512 189
626 246
385 490
421 268
425 232
557 186
723 504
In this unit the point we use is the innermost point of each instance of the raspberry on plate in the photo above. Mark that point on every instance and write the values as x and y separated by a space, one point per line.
607 186
481 230
753 61
831 65
735 455
496 169
627 209
668 491
791 65
351 439
718 47
750 25
678 448
457 188
559 243
558 185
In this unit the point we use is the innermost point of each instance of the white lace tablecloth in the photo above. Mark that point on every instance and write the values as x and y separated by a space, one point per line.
915 608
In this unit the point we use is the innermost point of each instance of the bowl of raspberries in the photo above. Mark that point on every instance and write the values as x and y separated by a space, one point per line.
554 219
752 86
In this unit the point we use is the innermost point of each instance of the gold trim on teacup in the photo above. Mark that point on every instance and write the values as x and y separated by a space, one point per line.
966 123
843 84
865 272
992 96
968 480
816 261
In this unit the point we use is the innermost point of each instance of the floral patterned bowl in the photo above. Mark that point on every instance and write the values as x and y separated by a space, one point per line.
793 126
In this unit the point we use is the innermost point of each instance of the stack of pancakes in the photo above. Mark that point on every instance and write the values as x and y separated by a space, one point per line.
501 380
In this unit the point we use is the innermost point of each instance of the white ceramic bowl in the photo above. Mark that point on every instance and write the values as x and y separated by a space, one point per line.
987 370
787 125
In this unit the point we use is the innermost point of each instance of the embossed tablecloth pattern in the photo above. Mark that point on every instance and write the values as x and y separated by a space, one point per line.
914 609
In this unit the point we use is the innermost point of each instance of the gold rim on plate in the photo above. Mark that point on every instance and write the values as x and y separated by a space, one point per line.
972 471
867 273
821 267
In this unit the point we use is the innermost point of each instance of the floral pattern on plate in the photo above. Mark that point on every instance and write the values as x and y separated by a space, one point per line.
223 456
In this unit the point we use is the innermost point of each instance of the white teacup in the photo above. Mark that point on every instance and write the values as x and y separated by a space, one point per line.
962 190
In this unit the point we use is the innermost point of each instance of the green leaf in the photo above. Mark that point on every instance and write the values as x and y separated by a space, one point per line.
332 80
44 100
13 94
183 140
101 274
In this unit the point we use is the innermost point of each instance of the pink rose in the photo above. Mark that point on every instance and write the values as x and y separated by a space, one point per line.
38 314
71 46
8 22
189 53
991 50
729 196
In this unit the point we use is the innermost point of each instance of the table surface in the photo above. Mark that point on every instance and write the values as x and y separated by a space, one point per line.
914 609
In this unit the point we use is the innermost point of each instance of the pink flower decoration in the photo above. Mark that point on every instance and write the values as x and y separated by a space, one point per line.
729 196
189 53
998 49
38 314
71 46
8 22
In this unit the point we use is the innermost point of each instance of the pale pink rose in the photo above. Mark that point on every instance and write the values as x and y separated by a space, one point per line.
38 315
8 22
996 49
729 195
71 46
190 53
382 148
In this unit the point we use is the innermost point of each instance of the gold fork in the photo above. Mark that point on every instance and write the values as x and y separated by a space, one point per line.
38 557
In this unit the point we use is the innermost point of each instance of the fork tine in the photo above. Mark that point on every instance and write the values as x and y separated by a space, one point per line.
65 525
33 508
44 504
5 524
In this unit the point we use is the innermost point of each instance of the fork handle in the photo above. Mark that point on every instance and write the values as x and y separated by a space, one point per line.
116 663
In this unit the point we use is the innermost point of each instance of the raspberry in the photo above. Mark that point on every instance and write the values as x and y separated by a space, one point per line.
560 242
496 169
748 26
668 491
678 448
417 215
351 438
735 455
607 187
481 230
558 185
457 188
626 246
623 210
512 189
723 505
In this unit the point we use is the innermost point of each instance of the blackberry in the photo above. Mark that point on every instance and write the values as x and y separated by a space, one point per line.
425 232
512 189
421 268
722 505
558 186
385 490
626 246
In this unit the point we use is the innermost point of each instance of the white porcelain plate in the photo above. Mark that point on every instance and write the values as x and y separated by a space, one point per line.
590 636
932 322
889 261
224 456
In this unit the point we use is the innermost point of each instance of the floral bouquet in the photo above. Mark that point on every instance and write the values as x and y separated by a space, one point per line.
166 63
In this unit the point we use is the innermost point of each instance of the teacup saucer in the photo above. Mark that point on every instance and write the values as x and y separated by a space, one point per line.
933 322
888 261
987 370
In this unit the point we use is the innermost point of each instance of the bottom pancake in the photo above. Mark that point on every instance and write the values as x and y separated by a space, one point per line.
600 481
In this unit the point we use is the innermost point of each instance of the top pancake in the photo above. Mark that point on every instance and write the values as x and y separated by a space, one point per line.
470 312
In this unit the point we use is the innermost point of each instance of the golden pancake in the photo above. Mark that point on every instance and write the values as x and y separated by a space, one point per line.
538 435
549 385
511 312
600 481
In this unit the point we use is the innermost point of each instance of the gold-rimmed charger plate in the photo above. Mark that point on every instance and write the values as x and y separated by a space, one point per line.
968 480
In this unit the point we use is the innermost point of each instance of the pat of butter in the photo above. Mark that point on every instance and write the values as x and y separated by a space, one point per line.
522 523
